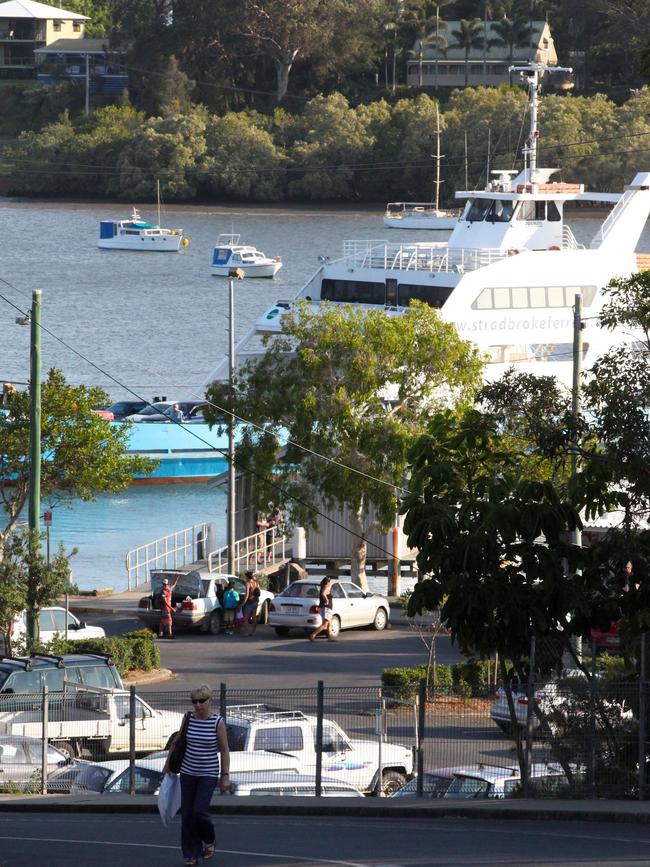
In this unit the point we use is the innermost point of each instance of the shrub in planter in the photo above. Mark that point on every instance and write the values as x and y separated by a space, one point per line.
145 654
401 683
475 673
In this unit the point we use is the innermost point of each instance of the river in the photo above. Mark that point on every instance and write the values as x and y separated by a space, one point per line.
156 323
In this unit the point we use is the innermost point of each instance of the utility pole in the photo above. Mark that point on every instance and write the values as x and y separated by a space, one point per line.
34 440
233 274
576 535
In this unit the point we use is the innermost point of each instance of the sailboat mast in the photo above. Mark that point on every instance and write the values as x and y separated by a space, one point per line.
437 158
158 194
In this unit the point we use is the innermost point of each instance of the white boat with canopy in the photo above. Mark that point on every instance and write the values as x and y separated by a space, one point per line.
229 253
507 277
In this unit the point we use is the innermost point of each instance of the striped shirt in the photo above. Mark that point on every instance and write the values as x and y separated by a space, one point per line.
201 752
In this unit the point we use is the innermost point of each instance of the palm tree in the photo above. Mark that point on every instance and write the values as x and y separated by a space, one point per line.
469 35
512 32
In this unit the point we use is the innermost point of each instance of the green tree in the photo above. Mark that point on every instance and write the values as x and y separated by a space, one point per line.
174 91
344 389
83 453
468 35
512 33
98 14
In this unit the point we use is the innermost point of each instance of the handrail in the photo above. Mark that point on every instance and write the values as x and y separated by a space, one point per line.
266 547
168 552
430 257
611 219
569 241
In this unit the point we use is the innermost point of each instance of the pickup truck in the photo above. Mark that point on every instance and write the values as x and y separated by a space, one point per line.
259 727
196 598
95 720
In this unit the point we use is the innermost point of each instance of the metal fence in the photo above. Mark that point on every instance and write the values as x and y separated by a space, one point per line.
169 552
577 736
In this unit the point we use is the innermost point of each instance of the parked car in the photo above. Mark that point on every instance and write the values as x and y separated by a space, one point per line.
297 607
160 410
492 781
21 760
112 777
123 408
435 784
280 784
51 622
27 675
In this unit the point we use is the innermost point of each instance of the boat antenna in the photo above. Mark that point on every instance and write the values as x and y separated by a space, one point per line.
438 157
533 73
489 148
466 166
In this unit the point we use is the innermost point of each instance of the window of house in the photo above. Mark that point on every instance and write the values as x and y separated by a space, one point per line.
57 26
76 26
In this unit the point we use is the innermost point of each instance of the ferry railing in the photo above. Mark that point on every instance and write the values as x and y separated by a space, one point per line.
612 218
569 241
264 548
172 551
432 258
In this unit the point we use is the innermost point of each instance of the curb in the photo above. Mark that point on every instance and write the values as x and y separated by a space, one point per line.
606 811
157 676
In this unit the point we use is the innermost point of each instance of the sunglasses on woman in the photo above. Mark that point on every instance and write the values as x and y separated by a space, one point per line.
199 700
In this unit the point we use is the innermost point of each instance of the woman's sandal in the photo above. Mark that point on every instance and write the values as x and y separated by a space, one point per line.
190 862
208 851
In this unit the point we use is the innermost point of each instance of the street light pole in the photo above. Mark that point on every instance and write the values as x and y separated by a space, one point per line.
34 440
233 274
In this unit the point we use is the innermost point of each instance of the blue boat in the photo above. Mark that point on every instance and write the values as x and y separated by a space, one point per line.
186 453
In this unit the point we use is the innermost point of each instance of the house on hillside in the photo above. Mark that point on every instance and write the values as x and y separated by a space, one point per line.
485 63
76 59
25 26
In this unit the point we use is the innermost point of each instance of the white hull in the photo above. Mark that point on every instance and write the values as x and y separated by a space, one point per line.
439 222
149 243
267 269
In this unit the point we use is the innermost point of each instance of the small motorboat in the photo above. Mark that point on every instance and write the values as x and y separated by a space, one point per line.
136 234
229 253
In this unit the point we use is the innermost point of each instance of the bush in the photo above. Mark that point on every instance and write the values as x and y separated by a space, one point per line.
130 652
477 674
403 683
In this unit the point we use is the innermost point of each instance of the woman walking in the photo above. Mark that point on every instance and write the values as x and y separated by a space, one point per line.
325 611
250 604
206 763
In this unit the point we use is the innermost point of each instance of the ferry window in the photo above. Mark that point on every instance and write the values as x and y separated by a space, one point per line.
540 210
484 300
538 296
500 212
552 212
588 295
556 296
391 292
352 290
478 209
526 211
519 296
500 297
434 296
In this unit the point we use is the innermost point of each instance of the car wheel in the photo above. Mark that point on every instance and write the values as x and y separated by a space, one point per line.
282 631
391 782
335 626
381 619
264 614
65 747
214 624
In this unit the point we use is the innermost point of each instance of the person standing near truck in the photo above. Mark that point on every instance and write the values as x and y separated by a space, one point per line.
206 762
166 608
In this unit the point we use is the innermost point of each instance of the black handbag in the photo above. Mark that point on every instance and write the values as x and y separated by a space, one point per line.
177 752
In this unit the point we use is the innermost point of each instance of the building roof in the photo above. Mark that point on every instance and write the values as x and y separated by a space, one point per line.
75 46
40 11
495 51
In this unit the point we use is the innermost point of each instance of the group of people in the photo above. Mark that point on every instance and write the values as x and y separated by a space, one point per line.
241 607
267 528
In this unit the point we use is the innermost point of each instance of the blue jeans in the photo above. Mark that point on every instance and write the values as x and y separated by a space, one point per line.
196 827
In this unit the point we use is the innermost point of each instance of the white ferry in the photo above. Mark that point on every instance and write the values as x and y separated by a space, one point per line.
508 275
229 253
136 234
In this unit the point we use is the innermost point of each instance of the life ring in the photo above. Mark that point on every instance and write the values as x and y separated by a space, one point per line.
513 251
554 247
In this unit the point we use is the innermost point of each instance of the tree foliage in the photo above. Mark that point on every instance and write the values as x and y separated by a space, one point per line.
82 453
343 391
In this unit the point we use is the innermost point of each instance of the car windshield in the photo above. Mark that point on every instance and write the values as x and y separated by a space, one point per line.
432 784
301 590
467 787
92 778
154 409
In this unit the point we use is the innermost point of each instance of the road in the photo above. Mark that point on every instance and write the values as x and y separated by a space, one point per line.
103 840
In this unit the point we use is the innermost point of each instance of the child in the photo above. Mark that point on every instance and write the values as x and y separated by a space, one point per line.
230 604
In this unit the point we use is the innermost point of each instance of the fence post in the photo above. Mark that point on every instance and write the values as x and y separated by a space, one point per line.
642 718
320 708
222 699
46 720
530 704
422 709
132 740
593 686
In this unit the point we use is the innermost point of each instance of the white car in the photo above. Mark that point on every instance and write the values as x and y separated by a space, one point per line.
494 781
297 607
51 624
112 778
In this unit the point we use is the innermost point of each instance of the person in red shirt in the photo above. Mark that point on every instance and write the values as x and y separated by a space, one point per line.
166 610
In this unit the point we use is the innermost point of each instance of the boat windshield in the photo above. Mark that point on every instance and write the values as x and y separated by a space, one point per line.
477 209
501 211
